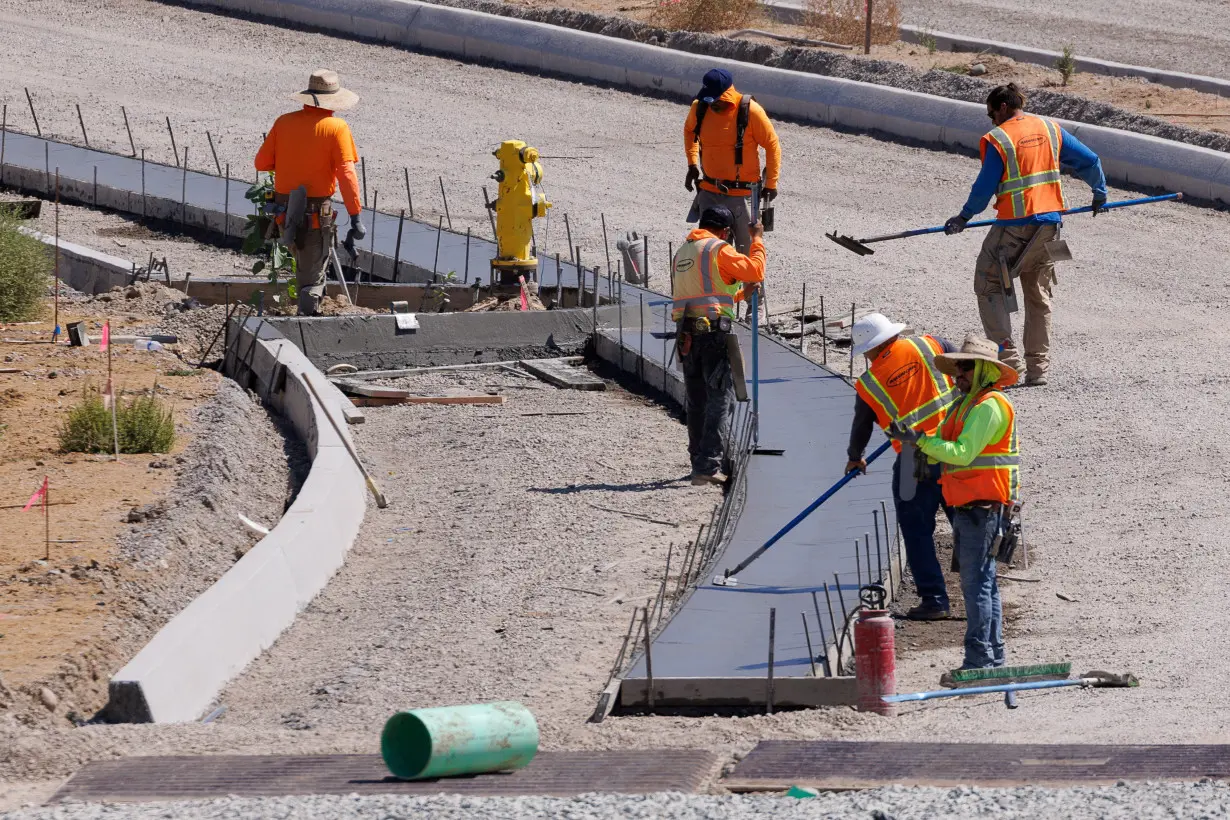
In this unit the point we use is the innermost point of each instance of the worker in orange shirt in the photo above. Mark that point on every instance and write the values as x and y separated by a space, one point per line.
722 138
708 277
313 149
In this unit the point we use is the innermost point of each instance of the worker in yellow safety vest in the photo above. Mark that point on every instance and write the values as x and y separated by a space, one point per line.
903 385
977 446
708 277
1022 157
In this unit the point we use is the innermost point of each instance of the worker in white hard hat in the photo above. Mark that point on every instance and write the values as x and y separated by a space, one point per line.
902 385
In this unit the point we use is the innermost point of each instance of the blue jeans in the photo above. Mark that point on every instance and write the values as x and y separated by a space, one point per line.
916 518
973 530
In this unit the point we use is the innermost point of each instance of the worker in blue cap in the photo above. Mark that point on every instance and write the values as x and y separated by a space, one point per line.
722 138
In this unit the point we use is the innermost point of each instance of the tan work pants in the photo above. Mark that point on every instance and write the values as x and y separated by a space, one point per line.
312 259
1037 273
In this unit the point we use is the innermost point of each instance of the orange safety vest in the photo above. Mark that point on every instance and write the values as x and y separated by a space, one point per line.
903 384
1029 147
994 474
698 285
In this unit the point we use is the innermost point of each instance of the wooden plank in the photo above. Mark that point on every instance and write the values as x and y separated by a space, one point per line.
384 401
353 415
411 371
788 692
562 374
371 391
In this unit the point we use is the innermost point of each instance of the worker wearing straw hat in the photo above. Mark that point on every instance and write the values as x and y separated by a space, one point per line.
977 446
313 149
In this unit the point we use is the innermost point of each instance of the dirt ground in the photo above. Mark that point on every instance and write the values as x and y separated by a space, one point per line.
51 606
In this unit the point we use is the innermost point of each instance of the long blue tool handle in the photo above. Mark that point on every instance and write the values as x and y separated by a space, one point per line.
1123 203
794 522
756 365
984 690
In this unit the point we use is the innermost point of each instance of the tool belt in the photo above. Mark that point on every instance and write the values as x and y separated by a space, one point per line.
318 212
728 185
698 325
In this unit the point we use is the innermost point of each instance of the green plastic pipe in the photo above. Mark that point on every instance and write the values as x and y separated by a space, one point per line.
455 740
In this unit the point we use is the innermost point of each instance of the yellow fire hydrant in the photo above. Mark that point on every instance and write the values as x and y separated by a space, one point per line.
518 203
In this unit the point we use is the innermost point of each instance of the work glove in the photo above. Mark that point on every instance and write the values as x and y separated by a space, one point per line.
860 465
692 178
356 227
900 432
955 225
768 194
1099 204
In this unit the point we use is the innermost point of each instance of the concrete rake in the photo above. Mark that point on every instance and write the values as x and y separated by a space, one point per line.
859 246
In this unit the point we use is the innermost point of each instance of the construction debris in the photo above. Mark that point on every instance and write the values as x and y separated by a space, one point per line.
563 373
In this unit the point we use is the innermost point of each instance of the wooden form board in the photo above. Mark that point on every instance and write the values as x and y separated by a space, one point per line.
787 692
382 401
561 373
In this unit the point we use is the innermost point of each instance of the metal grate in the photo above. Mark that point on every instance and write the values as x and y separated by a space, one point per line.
777 764
563 774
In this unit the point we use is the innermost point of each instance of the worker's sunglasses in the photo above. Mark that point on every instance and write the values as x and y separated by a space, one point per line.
965 367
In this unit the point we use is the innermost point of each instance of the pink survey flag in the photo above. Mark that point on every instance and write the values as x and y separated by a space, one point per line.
41 492
106 336
525 304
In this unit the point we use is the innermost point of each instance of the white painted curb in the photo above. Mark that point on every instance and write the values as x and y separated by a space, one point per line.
1128 157
179 673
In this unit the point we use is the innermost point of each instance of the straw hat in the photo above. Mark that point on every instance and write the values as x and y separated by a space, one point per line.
977 349
325 91
872 330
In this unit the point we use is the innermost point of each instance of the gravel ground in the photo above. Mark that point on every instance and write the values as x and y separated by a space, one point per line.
1125 513
1144 801
1181 35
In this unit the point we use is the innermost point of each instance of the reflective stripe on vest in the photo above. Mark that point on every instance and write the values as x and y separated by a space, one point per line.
699 289
1036 188
994 474
940 388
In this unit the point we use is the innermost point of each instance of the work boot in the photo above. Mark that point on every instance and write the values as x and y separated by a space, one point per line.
1036 381
927 612
701 479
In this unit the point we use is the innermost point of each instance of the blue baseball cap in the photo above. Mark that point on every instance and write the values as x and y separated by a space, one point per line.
716 81
717 216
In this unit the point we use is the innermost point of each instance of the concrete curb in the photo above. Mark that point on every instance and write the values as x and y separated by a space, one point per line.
946 41
180 672
1130 158
86 269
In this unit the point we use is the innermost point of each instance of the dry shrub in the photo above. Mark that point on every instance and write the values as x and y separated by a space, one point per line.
704 15
845 21
25 267
143 425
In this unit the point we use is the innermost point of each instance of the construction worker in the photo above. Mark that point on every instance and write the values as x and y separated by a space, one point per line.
722 138
903 385
977 446
314 149
707 274
1021 161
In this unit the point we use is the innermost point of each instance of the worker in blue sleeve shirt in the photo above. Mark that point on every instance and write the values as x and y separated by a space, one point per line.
1022 157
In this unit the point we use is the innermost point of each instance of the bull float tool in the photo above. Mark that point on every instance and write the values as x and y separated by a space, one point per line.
729 579
859 246
1089 679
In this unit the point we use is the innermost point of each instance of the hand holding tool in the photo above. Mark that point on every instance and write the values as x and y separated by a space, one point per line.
1099 204
955 225
859 246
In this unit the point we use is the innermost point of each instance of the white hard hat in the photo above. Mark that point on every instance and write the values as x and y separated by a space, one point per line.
872 330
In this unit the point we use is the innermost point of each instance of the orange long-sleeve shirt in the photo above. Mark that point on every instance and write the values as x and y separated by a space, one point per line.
718 134
313 148
734 266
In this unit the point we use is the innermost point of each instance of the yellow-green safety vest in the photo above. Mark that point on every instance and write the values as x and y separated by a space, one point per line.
698 286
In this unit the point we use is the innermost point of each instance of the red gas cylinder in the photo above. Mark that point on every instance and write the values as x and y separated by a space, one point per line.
875 662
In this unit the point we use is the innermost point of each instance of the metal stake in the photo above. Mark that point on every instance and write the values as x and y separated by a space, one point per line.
127 128
867 33
401 221
495 237
595 301
213 151
875 523
851 342
568 231
47 168
824 335
640 321
94 201
803 322
143 208
648 658
580 277
645 251
363 170
183 193
559 282
371 248
38 131
606 244
828 599
467 273
811 653
409 199
436 259
174 147
768 695
867 548
226 204
841 598
662 594
444 197
824 646
81 120
858 566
